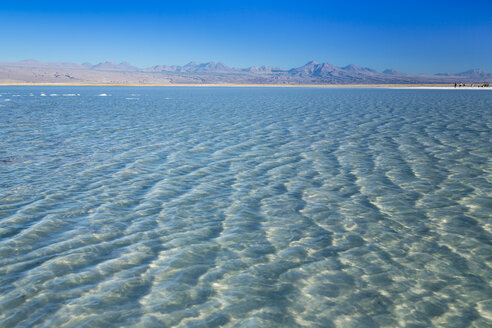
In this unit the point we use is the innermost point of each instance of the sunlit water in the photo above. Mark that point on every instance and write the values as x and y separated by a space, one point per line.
245 207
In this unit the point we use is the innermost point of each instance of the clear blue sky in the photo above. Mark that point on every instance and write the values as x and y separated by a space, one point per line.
410 36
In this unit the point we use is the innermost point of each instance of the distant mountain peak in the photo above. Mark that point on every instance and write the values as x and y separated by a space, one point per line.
351 67
313 68
110 65
475 73
208 67
311 63
358 69
391 71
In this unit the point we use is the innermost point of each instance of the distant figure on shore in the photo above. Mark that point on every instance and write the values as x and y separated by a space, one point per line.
455 84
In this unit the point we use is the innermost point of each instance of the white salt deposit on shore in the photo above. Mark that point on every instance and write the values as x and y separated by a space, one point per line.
442 88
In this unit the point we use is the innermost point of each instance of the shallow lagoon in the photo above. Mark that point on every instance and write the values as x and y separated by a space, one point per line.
245 207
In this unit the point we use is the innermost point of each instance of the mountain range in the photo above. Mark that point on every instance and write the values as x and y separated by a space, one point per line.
32 71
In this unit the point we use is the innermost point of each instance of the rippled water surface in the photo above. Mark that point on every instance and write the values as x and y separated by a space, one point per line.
245 207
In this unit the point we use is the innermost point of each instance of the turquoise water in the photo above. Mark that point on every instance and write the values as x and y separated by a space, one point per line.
245 207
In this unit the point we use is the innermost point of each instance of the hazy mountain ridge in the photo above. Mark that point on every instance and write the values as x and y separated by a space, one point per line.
111 66
215 72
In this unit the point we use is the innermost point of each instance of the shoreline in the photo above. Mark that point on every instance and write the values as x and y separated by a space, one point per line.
395 86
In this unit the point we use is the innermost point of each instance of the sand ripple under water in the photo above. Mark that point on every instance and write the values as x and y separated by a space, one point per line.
245 207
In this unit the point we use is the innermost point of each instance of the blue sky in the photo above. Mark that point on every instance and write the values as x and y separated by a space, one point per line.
410 36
